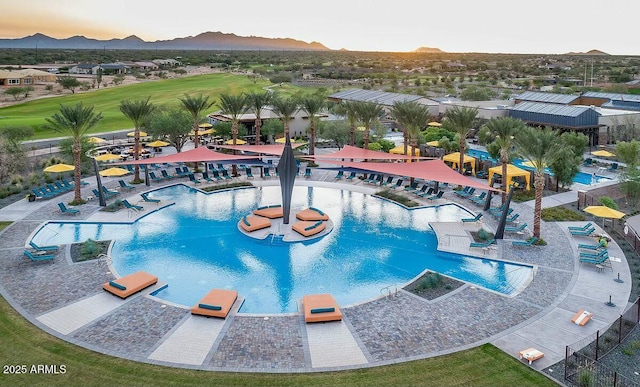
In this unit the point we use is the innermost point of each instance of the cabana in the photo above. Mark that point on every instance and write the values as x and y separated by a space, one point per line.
512 171
399 150
454 159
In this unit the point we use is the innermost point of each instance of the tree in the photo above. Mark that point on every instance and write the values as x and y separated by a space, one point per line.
336 131
347 109
412 116
172 125
475 93
99 77
272 127
195 106
568 164
368 114
286 108
541 147
503 131
233 106
256 102
312 105
75 121
69 83
15 92
27 90
629 153
138 111
12 153
461 120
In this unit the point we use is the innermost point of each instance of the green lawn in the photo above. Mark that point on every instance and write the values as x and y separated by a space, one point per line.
162 92
24 344
4 224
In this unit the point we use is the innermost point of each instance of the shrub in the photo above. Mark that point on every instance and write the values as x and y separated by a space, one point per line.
90 249
585 378
522 195
483 234
608 202
556 214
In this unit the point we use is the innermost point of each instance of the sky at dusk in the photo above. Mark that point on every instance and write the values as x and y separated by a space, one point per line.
490 26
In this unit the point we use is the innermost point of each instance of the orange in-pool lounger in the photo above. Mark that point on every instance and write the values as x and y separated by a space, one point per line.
217 303
320 308
312 214
271 212
305 228
125 286
252 223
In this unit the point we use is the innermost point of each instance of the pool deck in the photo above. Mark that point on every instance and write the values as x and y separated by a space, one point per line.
67 300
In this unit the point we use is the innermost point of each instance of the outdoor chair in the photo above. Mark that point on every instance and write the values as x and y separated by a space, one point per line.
586 232
386 182
66 210
516 229
482 245
479 198
474 219
580 228
613 167
193 179
153 176
225 174
38 257
267 172
249 173
216 175
307 173
427 193
146 198
588 162
125 185
132 206
42 248
529 242
339 176
412 187
592 247
205 177
423 189
166 174
436 196
512 218
109 192
398 184
351 176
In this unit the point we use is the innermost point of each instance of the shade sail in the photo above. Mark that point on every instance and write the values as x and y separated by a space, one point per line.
434 170
512 171
190 156
238 142
399 150
58 168
352 152
454 159
275 149
603 153
434 143
108 157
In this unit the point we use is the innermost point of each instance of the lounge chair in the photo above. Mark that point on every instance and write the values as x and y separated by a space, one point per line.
153 176
320 308
613 167
193 179
249 173
216 175
66 210
512 218
530 354
467 193
252 223
411 187
109 192
179 172
339 175
422 189
586 232
272 212
529 242
602 253
62 188
351 176
387 182
267 173
515 229
130 284
498 214
307 173
125 185
216 303
132 206
436 196
580 228
592 247
225 174
38 257
582 317
398 184
42 248
587 162
482 245
312 214
474 219
205 177
146 198
308 228
165 174
478 198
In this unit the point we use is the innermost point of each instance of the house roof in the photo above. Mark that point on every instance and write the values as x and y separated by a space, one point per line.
539 96
612 96
550 108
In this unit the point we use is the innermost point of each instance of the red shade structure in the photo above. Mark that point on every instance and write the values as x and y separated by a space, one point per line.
352 152
270 149
191 156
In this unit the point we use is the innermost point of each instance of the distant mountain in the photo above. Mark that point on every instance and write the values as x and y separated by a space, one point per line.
204 41
590 52
429 50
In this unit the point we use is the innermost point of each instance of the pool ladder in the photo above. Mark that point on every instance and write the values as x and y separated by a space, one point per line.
388 291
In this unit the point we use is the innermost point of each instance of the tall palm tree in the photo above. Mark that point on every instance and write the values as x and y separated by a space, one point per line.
286 108
138 111
312 105
233 106
75 121
461 120
256 102
541 148
368 114
412 116
196 106
503 130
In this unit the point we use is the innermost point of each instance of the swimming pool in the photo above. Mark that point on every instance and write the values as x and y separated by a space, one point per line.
195 246
580 177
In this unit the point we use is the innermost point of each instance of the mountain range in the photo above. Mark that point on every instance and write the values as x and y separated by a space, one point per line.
204 41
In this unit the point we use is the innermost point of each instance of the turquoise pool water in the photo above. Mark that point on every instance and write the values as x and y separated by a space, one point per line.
195 246
581 177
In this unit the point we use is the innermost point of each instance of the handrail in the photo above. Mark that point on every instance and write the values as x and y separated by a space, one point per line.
389 291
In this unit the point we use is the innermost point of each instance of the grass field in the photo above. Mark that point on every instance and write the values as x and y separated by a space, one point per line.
25 344
106 101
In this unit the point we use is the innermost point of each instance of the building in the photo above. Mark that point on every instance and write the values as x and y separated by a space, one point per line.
25 77
383 98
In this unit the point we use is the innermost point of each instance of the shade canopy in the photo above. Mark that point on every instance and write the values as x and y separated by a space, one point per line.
434 170
435 124
191 156
158 143
604 212
282 140
352 152
512 171
269 149
205 125
238 142
132 134
433 143
59 168
108 157
96 140
454 159
603 153
399 150
114 172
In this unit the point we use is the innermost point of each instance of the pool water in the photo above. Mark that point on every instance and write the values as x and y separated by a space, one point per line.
580 177
195 246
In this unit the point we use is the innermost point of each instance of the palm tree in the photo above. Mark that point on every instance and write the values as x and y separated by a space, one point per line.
503 131
368 114
257 101
541 148
312 105
286 108
138 111
461 120
347 109
233 106
412 116
75 121
196 106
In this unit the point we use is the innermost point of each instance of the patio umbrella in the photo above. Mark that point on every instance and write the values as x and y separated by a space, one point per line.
158 143
603 153
433 143
59 168
114 172
202 132
435 124
132 134
238 142
205 126
604 212
284 140
96 140
107 157
529 164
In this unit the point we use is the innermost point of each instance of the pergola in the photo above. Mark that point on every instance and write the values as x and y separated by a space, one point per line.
512 171
454 159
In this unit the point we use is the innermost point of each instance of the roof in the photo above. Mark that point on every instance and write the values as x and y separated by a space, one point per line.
85 65
380 97
539 96
612 96
190 156
622 105
11 74
434 170
352 152
550 108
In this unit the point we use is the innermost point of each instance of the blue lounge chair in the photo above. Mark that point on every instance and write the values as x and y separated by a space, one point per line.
109 192
221 168
179 172
340 175
125 185
466 193
482 245
132 206
581 228
423 189
42 248
225 174
387 182
216 175
39 257
436 196
498 214
592 247
398 184
516 229
146 198
153 176
249 173
529 242
351 176
412 187
479 198
586 232
61 187
474 219
426 193
613 167
307 173
166 174
66 210
512 218
39 194
193 179
267 173
205 177
588 162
